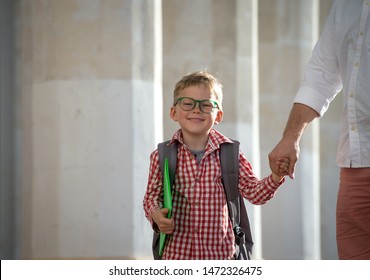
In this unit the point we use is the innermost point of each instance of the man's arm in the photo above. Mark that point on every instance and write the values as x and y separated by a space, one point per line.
288 147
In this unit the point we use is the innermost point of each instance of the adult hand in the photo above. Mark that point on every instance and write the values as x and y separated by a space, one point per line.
288 147
285 149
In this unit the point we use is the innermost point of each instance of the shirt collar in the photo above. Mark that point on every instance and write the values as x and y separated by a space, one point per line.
215 139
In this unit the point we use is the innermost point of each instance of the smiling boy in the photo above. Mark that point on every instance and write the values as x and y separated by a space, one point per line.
200 227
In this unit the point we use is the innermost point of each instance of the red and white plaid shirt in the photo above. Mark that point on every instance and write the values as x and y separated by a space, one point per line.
203 230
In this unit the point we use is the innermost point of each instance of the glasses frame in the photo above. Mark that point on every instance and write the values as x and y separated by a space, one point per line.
215 104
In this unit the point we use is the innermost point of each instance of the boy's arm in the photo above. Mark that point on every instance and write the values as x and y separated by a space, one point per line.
153 200
253 189
153 196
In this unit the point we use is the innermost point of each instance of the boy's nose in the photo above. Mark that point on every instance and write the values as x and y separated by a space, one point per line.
197 107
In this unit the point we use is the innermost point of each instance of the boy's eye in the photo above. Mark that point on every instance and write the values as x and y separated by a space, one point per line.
207 104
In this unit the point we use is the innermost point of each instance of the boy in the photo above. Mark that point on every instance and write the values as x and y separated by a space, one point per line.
200 227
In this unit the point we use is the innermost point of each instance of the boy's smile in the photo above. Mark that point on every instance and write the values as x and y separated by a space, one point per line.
195 119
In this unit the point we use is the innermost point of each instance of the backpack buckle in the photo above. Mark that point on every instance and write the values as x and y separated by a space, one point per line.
238 231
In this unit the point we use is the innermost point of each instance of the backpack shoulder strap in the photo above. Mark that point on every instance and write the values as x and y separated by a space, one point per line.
229 157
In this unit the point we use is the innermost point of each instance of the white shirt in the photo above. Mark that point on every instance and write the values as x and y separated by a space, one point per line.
341 60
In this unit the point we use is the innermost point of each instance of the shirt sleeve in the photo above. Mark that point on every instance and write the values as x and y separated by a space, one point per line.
322 79
251 188
153 198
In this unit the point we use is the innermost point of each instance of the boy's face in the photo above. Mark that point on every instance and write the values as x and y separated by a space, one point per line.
195 121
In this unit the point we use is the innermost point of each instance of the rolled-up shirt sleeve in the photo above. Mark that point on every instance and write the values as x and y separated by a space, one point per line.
322 77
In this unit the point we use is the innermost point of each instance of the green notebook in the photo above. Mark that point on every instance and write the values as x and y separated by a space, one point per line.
167 202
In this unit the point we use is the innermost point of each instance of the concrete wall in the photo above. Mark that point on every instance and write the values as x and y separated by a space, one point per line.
7 135
94 82
87 87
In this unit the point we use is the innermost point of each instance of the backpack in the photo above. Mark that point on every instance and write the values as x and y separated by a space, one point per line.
229 157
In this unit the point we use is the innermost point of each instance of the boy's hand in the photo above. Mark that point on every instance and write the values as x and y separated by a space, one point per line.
283 166
164 224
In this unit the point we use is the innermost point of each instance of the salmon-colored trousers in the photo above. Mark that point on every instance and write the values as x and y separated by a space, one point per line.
353 214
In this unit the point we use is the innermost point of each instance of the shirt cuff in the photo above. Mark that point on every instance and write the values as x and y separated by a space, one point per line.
272 185
150 218
312 98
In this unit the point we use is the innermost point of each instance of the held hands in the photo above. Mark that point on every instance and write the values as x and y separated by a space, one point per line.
283 169
288 150
165 225
288 147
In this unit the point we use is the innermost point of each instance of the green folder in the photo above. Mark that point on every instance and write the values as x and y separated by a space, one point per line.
167 202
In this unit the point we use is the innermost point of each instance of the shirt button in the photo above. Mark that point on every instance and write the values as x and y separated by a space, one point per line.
353 128
195 230
356 64
196 203
351 94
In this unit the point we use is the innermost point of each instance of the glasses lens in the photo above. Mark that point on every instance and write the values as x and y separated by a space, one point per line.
206 106
187 104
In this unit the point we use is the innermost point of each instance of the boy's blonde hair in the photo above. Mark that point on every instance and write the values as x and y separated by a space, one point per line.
200 78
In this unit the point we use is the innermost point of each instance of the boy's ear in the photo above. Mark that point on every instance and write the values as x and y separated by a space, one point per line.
173 113
219 116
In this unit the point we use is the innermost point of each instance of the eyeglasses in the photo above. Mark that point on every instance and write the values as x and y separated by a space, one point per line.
188 104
